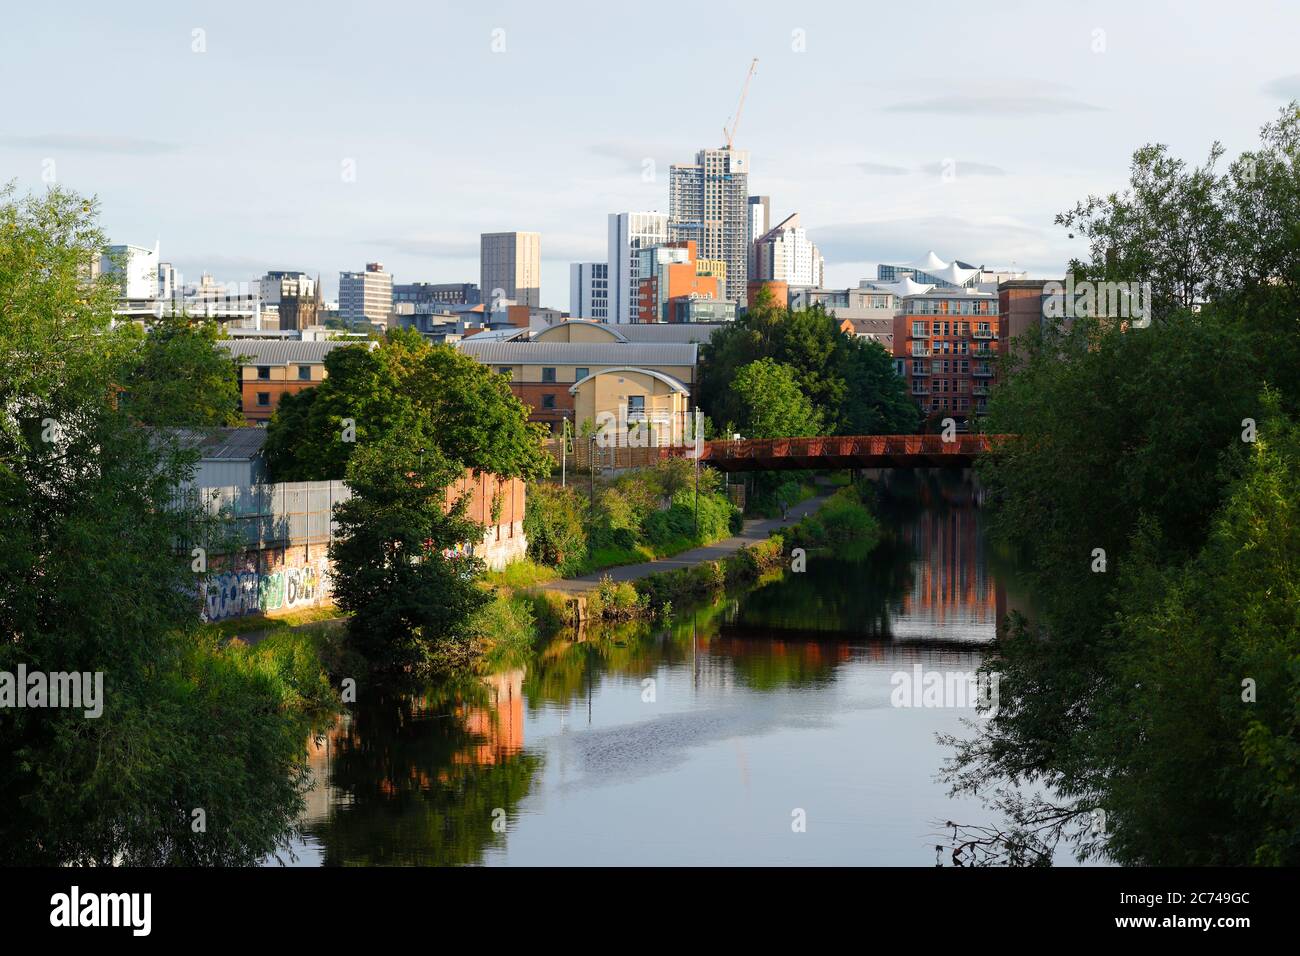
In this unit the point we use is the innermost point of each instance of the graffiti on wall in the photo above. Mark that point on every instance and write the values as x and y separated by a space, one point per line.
236 593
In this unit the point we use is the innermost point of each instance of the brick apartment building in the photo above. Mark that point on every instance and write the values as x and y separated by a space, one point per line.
268 369
1020 304
947 341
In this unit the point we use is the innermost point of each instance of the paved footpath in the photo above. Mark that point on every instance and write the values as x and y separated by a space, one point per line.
755 530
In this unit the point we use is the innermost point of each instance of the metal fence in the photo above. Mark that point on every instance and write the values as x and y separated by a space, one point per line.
281 515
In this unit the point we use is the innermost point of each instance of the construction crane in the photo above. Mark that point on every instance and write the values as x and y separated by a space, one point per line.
730 134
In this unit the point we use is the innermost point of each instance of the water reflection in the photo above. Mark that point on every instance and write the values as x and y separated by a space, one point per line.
692 743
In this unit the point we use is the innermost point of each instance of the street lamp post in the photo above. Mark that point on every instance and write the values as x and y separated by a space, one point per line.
564 447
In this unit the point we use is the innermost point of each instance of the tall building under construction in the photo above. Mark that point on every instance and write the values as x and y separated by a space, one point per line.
708 204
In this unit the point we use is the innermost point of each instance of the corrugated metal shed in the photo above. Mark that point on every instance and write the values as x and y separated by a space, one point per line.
227 456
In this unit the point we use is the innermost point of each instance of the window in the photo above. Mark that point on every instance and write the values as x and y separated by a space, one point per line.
636 405
264 399
548 401
580 373
264 372
548 375
304 373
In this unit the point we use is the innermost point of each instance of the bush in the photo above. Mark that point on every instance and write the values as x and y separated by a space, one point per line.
550 611
554 526
506 621
842 519
620 601
718 519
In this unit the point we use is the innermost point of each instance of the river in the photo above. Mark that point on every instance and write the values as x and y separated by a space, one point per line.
758 729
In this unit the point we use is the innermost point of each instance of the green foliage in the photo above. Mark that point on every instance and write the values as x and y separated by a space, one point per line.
771 403
843 518
661 590
421 415
1189 637
524 573
549 611
718 518
774 493
616 601
640 515
507 625
849 382
1125 694
93 582
396 572
182 377
553 524
426 396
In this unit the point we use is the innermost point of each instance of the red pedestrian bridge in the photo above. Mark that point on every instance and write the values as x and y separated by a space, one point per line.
840 451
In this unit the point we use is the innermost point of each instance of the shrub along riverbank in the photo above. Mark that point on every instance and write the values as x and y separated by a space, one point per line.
639 516
844 518
645 511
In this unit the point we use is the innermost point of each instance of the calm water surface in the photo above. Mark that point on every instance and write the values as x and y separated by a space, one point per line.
695 743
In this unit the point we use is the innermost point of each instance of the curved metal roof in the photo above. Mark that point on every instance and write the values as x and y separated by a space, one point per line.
668 380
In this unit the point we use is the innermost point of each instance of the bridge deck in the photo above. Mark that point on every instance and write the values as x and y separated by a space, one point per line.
841 451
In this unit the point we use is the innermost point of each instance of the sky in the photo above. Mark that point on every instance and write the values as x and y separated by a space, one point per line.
320 136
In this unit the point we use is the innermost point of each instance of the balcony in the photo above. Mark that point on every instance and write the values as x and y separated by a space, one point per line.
984 352
921 351
984 372
982 334
920 371
920 389
979 390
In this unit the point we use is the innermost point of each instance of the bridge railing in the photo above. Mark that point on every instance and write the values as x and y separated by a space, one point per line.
839 446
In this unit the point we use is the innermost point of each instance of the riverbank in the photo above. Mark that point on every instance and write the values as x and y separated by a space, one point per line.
756 531
735 707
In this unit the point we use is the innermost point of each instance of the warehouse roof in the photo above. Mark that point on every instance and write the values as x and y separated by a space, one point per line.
282 351
639 331
580 353
219 444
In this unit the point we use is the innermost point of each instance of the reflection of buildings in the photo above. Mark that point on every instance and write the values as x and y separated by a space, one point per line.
499 724
952 596
492 732
321 796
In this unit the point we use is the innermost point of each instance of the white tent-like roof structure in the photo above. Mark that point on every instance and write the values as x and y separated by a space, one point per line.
931 264
904 286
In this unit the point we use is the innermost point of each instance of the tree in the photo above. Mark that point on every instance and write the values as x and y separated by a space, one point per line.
94 583
428 396
396 566
401 422
876 400
1150 486
843 378
771 403
183 378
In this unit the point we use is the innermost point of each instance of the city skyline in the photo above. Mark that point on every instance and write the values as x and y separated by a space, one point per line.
258 154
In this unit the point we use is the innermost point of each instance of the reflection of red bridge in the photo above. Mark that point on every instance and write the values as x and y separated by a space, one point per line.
841 451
